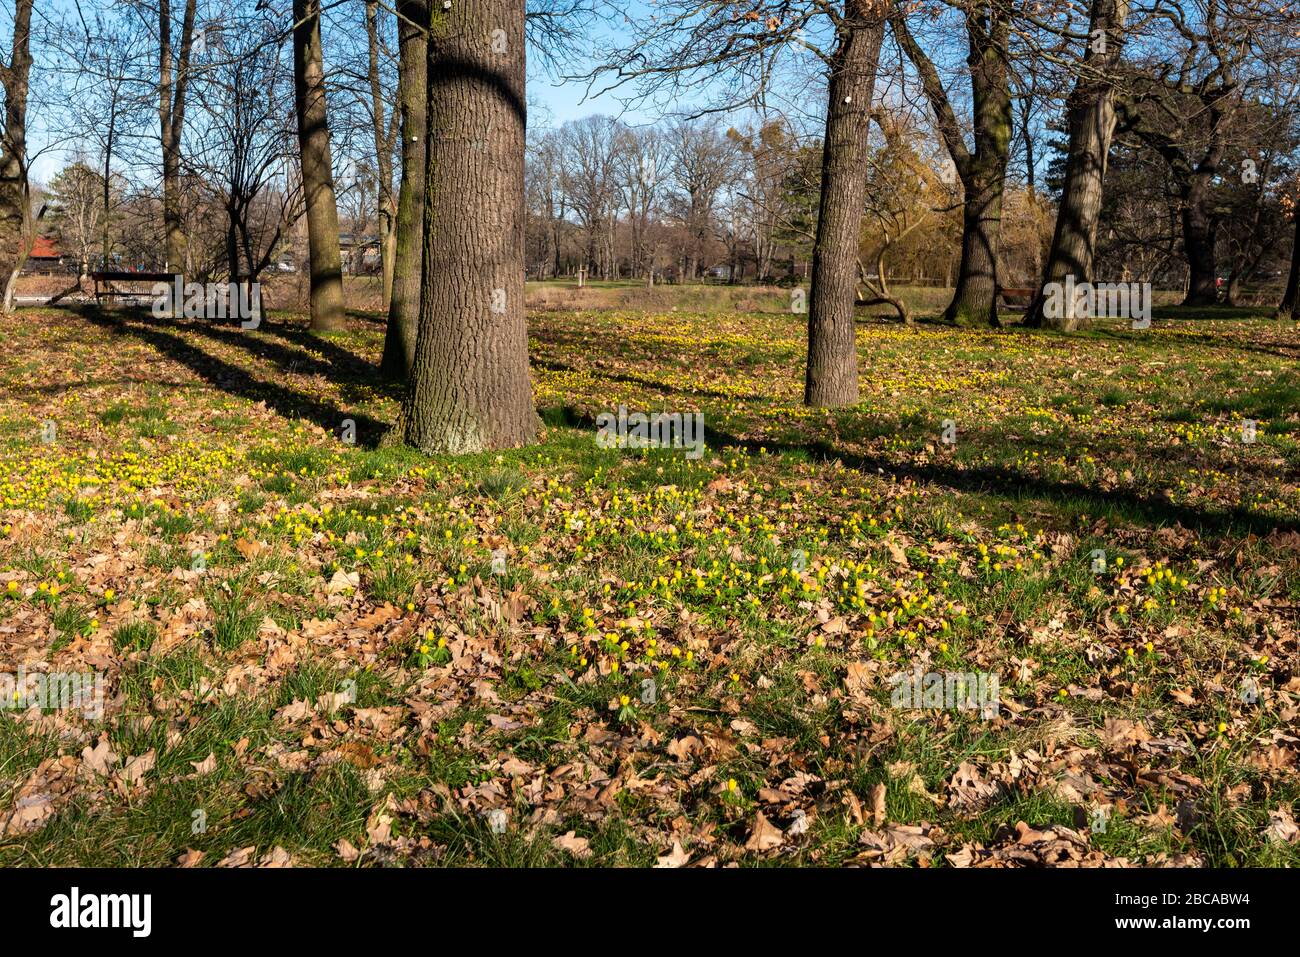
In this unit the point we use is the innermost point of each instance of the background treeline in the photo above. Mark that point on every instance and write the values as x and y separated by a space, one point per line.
680 199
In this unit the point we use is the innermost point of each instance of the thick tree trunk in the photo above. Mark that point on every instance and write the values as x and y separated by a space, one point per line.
1287 307
324 259
404 304
974 301
383 135
1199 237
173 81
983 175
15 202
983 171
1232 290
1092 124
469 388
831 377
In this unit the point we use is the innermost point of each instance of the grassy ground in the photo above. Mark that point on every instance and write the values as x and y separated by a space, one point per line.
309 656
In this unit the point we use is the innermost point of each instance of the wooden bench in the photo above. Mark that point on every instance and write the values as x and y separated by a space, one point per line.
1018 298
106 284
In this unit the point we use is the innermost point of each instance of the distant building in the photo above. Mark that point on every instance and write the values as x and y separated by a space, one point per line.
44 257
360 254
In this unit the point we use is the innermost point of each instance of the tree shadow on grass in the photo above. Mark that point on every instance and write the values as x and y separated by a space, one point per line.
369 317
1137 337
997 481
233 379
553 366
340 364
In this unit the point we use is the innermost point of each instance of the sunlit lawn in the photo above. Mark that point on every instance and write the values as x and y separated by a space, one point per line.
309 656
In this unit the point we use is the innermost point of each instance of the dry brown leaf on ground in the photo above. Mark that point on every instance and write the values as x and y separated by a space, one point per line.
877 797
1120 733
1282 827
968 790
897 842
100 758
277 857
30 812
134 770
206 766
243 857
379 826
579 847
765 836
676 857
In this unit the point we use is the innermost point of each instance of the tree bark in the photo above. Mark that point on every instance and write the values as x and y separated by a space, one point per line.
1199 219
384 136
831 377
470 388
983 171
325 261
1199 238
1287 307
106 191
974 301
404 304
983 176
15 201
173 83
1092 125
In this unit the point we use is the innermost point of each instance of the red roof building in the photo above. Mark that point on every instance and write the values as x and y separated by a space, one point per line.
44 248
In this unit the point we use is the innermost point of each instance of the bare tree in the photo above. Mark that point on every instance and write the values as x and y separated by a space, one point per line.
385 140
547 202
469 388
325 264
106 75
15 203
737 57
1091 119
589 176
1189 100
983 169
244 155
1286 308
408 231
642 161
702 160
173 87
904 190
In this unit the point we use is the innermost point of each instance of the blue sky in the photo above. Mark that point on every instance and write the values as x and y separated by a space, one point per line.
553 100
